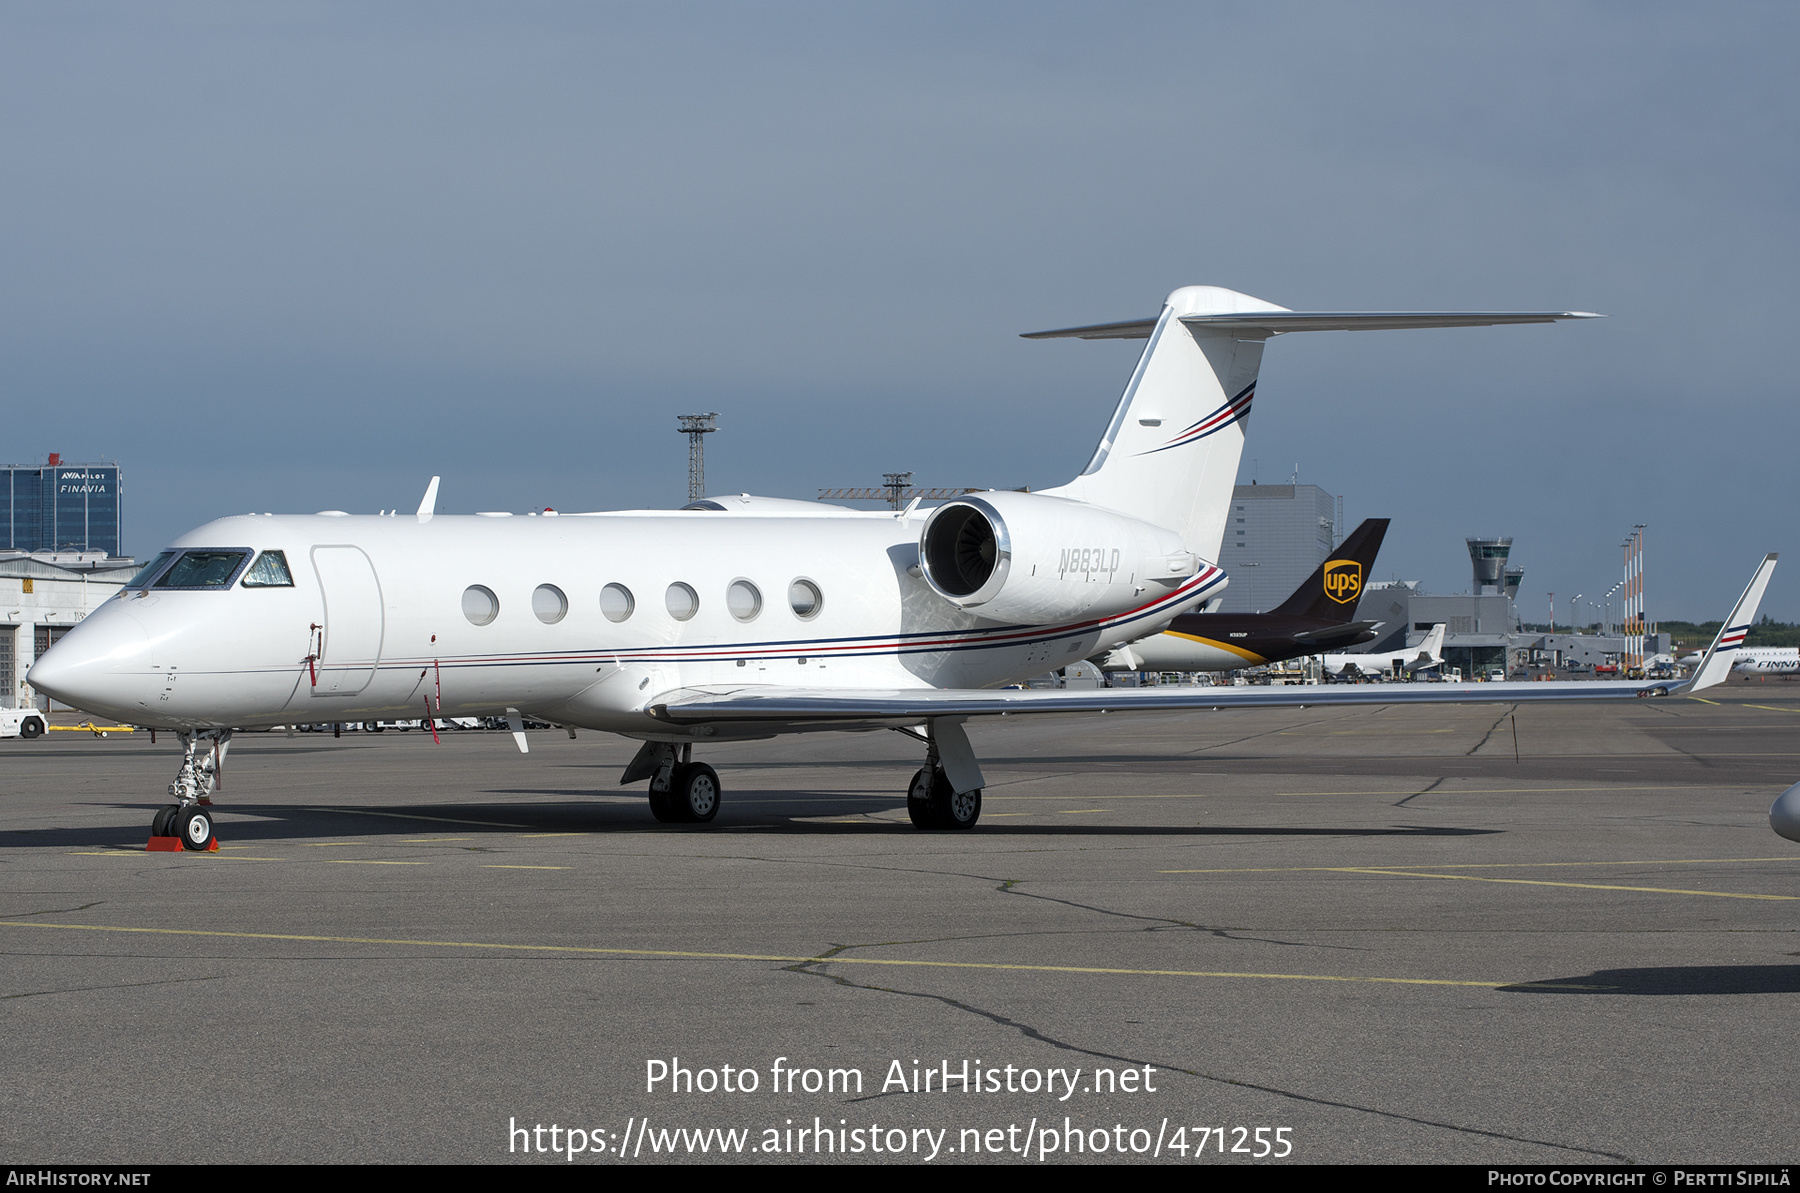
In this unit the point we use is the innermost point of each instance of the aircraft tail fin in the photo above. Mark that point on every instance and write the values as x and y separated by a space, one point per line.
1431 651
1715 665
1331 592
1170 455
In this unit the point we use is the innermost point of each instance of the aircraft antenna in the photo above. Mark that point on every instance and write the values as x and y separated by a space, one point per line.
694 426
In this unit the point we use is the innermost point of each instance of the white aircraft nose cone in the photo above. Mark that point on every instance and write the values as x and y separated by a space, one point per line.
84 668
1784 813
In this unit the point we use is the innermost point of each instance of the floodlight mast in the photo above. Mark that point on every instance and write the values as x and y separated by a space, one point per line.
694 426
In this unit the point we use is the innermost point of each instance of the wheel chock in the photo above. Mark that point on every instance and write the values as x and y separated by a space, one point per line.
174 845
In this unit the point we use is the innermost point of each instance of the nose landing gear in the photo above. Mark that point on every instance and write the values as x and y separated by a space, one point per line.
185 824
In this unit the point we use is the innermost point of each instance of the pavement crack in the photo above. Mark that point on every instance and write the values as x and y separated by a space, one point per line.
1033 1033
1266 733
1159 923
1510 710
19 915
1435 783
1024 1029
114 986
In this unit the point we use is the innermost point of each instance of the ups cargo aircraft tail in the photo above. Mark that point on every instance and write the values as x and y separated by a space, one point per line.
736 618
1315 618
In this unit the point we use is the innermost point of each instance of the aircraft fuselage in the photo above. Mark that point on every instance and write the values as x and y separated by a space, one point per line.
374 624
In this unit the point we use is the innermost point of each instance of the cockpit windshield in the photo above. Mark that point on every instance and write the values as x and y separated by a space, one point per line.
269 571
204 569
144 577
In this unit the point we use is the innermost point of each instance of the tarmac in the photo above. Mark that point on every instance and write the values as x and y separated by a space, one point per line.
1325 936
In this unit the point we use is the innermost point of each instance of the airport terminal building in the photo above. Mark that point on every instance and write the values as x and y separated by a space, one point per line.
59 560
60 507
1275 535
1482 629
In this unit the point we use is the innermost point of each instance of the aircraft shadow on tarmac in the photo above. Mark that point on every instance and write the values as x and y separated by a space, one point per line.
1673 979
799 815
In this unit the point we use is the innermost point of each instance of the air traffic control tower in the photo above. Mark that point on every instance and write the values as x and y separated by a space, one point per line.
1489 559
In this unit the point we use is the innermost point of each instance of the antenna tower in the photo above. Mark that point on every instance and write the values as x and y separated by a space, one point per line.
694 426
1633 583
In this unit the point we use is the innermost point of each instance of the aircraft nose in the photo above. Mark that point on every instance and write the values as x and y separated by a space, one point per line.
1784 813
85 667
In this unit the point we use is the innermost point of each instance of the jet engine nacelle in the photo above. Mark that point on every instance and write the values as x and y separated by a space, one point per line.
1030 559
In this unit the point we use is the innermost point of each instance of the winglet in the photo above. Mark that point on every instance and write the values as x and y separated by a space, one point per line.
1715 665
517 725
428 503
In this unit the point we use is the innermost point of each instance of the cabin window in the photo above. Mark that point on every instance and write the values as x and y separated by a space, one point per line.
204 569
269 571
805 599
683 602
143 578
744 601
616 602
480 605
549 604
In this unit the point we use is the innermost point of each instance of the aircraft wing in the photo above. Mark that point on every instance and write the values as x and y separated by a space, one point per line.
794 708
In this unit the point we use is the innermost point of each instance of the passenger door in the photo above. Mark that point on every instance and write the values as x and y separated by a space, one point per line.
354 620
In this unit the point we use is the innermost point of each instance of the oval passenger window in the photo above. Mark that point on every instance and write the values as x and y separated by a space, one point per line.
682 601
804 598
744 601
549 603
616 602
480 605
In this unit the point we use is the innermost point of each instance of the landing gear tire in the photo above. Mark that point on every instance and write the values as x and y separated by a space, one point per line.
662 806
918 799
961 811
694 793
932 805
160 824
196 829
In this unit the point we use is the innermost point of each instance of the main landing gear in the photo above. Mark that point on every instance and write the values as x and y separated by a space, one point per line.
944 794
187 819
931 804
682 791
933 800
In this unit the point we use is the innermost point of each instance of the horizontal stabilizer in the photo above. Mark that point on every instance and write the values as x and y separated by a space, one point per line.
1277 322
1348 634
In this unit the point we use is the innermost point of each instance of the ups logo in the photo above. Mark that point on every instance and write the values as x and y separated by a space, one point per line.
1343 580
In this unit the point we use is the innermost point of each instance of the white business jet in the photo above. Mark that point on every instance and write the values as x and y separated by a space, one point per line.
731 619
1392 663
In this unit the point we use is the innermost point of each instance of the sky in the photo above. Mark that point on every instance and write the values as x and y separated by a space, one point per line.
300 256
